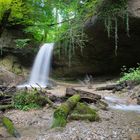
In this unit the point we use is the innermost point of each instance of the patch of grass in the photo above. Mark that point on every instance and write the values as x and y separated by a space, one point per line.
26 100
27 107
133 74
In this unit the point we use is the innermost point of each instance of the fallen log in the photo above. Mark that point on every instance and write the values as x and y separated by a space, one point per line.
8 124
84 112
4 107
61 113
85 96
6 101
8 89
114 87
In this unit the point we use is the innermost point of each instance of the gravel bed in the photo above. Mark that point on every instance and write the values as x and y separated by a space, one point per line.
35 125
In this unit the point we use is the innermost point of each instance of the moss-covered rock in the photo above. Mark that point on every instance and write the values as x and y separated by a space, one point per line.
84 112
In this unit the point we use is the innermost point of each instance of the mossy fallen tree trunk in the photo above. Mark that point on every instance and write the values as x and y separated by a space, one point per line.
8 124
61 113
84 112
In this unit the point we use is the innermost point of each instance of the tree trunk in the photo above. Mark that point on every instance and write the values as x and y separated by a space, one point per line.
4 20
61 113
4 107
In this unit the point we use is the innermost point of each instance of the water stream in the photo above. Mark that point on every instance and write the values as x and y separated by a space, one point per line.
121 104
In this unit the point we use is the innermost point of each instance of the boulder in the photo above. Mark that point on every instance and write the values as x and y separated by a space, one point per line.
9 78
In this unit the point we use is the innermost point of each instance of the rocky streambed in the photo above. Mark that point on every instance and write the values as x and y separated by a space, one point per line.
115 124
35 125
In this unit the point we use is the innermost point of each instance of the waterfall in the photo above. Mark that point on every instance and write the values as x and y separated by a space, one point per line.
41 67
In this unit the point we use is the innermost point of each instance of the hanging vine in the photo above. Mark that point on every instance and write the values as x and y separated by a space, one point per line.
111 13
116 36
74 38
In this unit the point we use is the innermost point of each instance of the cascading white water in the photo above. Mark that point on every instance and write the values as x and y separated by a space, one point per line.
41 68
121 104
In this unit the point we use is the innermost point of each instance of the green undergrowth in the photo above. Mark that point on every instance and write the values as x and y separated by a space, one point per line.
25 100
133 74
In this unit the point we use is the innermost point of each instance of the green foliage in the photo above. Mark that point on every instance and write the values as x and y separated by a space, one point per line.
133 74
17 7
21 43
25 100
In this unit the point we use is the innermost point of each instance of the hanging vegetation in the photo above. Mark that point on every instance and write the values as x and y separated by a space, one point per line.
111 12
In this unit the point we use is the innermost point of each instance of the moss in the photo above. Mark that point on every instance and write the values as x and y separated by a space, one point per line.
10 126
61 113
84 112
60 118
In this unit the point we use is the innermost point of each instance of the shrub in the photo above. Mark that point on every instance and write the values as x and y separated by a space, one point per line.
25 100
133 74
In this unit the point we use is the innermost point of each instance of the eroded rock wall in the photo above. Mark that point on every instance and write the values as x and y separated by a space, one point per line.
15 63
99 54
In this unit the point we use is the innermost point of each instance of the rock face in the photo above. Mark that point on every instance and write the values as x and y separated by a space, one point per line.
134 8
8 78
8 46
8 36
99 54
15 61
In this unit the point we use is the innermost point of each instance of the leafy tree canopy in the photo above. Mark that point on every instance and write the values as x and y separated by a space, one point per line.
56 20
47 19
